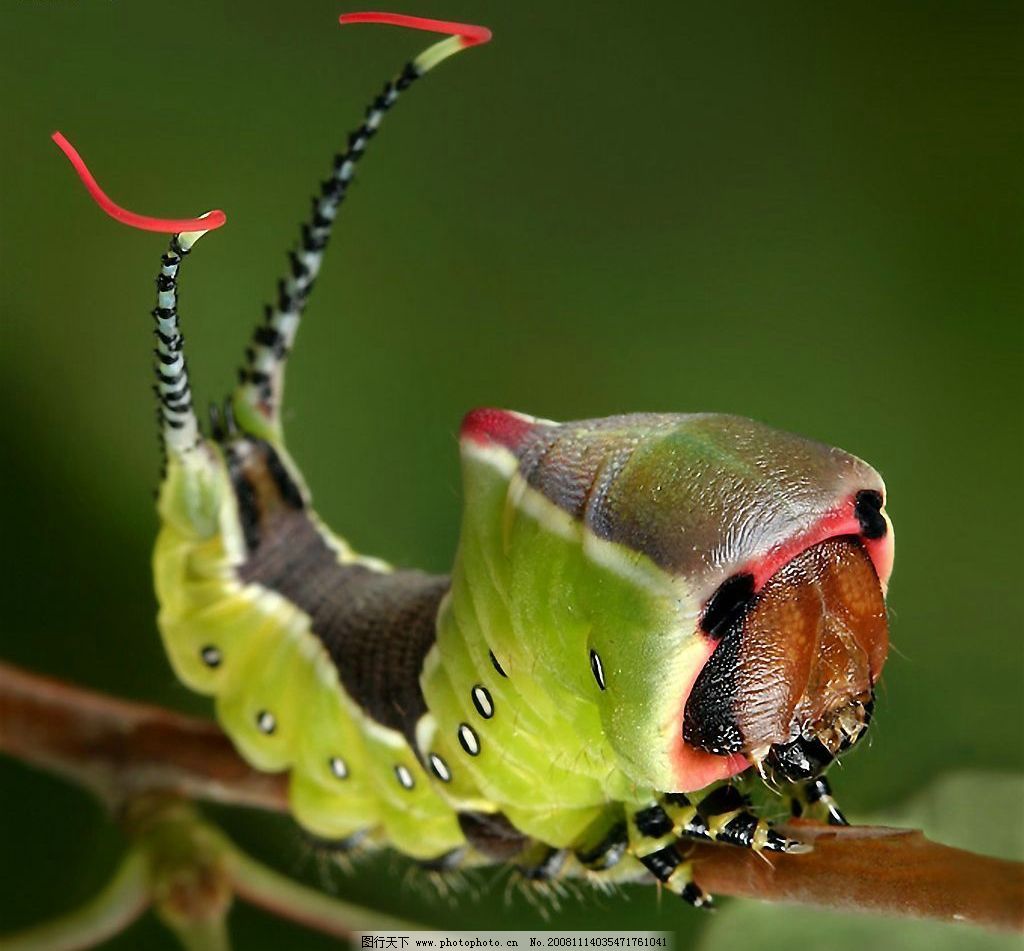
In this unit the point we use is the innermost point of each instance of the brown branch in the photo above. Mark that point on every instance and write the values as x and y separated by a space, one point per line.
874 869
121 749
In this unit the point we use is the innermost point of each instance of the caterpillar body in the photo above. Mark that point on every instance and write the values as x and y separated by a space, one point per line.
642 609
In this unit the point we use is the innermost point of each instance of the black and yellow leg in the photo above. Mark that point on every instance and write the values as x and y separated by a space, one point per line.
724 815
654 843
813 798
686 821
669 867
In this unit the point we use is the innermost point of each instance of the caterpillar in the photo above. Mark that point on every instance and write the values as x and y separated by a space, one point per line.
647 614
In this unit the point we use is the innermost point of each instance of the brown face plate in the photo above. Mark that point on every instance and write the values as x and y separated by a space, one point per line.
811 642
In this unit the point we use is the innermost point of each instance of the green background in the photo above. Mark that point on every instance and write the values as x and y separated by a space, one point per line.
807 213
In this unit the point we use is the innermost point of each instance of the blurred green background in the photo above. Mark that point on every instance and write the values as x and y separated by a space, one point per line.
807 213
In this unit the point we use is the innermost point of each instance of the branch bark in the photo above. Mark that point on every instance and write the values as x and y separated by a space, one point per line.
121 750
873 869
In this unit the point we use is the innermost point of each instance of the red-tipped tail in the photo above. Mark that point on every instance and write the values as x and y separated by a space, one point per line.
208 222
470 34
460 36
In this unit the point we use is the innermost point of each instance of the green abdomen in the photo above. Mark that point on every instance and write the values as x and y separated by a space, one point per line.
313 656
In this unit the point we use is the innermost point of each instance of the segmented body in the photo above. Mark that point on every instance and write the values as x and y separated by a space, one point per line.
540 691
640 609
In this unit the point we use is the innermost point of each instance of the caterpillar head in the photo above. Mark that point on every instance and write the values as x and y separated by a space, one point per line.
767 557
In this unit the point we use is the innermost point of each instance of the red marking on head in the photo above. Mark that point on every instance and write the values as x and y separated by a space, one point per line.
470 34
210 221
842 520
695 768
500 426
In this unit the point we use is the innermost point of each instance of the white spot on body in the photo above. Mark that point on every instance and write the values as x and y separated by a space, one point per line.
404 777
440 768
339 768
266 722
483 702
469 740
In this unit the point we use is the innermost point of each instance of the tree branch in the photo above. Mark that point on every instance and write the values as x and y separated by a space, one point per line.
121 750
873 869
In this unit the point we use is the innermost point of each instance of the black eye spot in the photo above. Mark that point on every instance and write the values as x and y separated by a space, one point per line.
211 656
868 509
727 604
597 668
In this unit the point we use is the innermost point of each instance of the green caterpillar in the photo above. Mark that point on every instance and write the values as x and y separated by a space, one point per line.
642 608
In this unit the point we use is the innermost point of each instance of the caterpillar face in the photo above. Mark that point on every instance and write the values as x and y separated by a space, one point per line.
791 681
774 553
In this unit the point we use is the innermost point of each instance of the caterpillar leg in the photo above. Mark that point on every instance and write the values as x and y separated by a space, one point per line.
813 798
661 852
723 815
657 833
